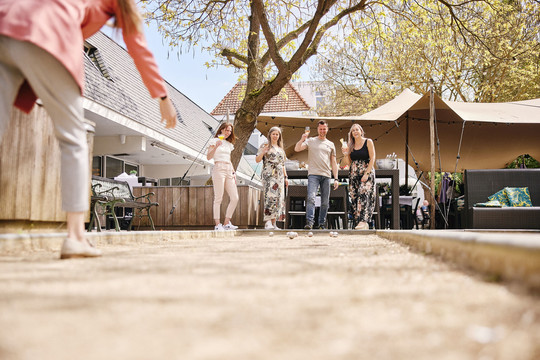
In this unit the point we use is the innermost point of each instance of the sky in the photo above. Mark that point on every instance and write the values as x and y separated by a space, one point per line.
187 73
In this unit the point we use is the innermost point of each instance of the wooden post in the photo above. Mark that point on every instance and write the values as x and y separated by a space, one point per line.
407 152
432 150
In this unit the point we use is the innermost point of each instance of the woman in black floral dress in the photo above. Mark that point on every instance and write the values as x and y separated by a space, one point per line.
360 154
274 177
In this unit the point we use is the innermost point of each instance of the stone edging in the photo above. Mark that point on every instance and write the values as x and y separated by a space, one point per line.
508 256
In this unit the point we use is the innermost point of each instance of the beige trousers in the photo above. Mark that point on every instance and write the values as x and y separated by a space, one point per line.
224 179
61 97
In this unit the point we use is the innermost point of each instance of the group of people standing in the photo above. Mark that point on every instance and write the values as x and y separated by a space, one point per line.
358 154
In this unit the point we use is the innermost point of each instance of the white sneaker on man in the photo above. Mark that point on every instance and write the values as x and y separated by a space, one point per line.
230 226
276 227
219 227
268 225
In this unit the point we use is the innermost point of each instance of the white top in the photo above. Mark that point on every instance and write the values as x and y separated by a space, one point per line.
223 152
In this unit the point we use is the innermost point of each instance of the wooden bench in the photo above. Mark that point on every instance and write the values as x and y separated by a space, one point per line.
110 194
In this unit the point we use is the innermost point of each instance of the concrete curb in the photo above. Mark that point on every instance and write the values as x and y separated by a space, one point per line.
509 256
12 244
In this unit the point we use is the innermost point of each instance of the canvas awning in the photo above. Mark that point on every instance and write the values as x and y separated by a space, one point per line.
490 134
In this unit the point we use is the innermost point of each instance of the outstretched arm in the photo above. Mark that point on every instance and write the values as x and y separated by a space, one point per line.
301 144
168 112
147 67
371 150
334 171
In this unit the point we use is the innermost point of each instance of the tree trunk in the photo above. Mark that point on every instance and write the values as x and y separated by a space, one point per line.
245 120
244 124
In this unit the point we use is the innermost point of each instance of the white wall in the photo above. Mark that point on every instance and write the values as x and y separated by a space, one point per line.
170 171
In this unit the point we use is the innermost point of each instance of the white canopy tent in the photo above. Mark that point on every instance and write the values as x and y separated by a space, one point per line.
471 135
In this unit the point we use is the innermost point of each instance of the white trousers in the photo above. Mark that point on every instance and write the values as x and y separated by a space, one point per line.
61 97
224 180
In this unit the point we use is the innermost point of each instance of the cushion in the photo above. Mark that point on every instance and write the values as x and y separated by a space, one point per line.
518 196
490 203
501 197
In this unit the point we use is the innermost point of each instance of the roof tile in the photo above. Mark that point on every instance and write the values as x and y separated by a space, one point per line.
287 100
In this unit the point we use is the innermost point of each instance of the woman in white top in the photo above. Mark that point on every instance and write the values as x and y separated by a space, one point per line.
274 176
223 175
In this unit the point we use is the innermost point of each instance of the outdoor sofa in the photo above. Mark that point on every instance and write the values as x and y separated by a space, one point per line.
479 184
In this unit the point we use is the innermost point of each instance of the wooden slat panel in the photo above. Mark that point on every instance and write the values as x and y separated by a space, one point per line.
8 174
176 201
161 198
169 204
156 211
209 205
243 206
194 206
200 208
24 151
183 207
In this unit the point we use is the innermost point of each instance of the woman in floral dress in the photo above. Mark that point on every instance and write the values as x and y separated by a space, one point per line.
274 178
360 154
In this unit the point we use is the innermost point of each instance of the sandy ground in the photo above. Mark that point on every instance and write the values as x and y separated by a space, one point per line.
258 297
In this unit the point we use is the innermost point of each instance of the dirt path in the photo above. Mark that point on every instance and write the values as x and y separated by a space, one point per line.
255 297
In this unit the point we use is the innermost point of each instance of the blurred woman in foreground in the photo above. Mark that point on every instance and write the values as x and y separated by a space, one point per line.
41 55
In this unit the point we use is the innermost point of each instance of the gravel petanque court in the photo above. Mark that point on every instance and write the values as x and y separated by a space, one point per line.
259 297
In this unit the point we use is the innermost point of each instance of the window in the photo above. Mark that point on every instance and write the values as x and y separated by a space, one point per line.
164 182
97 168
128 168
177 181
94 56
114 167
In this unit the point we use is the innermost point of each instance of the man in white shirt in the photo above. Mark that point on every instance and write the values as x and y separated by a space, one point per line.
321 164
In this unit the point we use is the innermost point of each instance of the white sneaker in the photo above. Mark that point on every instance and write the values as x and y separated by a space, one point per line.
268 225
230 226
276 227
219 227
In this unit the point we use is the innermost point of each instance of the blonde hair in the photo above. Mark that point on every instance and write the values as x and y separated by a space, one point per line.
129 19
280 140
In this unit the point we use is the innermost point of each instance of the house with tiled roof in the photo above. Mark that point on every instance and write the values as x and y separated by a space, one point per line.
129 134
288 101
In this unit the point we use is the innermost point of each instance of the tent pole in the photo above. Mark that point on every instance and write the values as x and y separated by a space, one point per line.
407 153
432 150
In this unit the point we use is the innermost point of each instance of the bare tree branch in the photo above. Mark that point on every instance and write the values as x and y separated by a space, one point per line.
235 59
273 48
